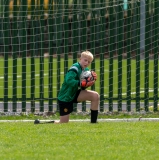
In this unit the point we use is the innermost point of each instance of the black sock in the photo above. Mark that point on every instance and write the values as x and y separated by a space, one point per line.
94 115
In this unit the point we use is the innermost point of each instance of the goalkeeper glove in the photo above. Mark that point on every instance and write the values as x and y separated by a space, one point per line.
87 82
94 75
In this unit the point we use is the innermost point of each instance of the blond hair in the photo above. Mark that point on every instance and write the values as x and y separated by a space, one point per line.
87 54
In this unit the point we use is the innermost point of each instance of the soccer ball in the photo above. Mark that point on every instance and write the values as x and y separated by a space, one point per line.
86 75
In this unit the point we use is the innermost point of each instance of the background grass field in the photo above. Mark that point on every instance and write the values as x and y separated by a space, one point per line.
80 141
97 87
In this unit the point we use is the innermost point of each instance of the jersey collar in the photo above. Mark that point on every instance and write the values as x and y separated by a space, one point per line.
80 66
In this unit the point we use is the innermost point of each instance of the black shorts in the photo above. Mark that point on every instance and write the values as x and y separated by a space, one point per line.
67 107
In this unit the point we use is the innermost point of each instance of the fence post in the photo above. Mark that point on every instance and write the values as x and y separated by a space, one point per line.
58 39
41 20
147 52
137 51
1 26
120 52
102 53
156 13
50 39
92 35
32 50
24 52
129 50
75 31
66 36
14 54
84 35
37 26
111 52
6 29
75 27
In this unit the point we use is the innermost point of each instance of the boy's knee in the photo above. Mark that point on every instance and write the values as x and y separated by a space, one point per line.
96 96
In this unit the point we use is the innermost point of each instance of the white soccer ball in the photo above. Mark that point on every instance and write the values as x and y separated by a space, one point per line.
85 74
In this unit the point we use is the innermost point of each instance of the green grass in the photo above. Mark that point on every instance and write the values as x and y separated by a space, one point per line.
97 88
79 141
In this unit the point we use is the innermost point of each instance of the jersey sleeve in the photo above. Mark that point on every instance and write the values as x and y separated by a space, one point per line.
70 78
73 68
86 69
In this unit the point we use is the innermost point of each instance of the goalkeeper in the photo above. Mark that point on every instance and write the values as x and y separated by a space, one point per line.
73 89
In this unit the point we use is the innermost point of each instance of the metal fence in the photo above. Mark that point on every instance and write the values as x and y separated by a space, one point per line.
113 30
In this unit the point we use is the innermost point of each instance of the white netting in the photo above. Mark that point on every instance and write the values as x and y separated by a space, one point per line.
39 41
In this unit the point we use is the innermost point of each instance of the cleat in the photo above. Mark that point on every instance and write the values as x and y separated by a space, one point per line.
37 121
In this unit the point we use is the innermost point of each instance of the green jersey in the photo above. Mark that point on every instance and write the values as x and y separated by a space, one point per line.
71 83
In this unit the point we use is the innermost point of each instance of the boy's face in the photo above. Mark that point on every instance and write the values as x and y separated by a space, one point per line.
85 61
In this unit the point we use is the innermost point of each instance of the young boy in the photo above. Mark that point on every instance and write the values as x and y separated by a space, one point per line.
72 89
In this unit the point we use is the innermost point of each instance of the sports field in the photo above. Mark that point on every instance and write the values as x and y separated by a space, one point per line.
70 61
79 141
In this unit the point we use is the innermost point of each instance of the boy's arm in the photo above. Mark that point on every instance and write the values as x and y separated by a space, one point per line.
70 79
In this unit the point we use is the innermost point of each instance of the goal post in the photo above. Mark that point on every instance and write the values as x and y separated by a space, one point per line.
41 39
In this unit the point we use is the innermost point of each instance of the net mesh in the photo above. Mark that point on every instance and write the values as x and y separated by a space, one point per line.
40 40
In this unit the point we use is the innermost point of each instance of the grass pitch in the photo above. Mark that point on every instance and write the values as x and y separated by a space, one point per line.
79 141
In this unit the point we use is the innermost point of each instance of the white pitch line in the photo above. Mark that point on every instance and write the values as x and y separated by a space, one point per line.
36 75
88 120
132 93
